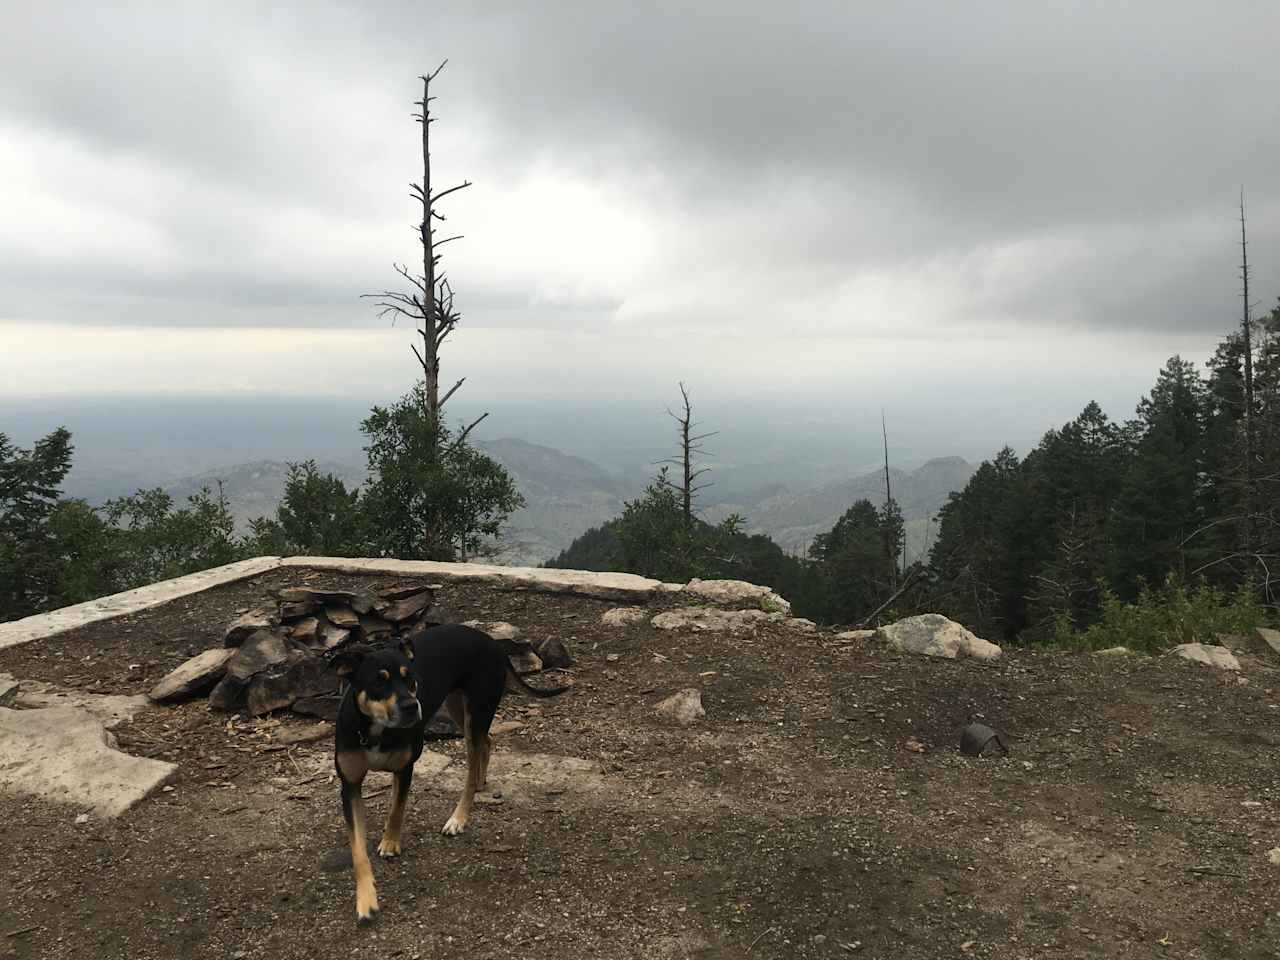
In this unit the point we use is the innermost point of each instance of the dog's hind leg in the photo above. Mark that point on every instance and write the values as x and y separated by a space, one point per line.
390 845
460 709
353 814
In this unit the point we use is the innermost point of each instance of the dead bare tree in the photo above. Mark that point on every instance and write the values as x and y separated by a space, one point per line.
690 444
890 560
429 303
1250 438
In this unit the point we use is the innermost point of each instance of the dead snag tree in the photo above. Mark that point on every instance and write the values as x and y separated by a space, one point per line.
690 444
429 303
1250 437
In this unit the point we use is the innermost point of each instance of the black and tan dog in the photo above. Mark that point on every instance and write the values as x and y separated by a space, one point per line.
391 694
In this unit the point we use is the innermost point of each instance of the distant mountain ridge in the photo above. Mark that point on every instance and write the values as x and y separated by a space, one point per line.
793 519
567 495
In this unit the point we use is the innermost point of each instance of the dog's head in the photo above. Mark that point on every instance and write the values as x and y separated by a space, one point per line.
383 684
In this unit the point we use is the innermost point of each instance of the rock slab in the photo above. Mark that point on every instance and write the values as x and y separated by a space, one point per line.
1208 654
933 635
196 676
1268 636
738 591
65 754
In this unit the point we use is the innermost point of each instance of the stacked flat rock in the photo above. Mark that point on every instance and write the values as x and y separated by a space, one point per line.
276 656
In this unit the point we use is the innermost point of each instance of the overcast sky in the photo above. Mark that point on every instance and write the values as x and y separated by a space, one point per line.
956 210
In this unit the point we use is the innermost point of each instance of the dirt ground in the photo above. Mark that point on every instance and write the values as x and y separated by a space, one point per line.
1134 817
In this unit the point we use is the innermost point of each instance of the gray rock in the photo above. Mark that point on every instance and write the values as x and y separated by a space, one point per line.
624 616
738 591
341 616
498 629
64 754
709 618
331 636
195 677
1208 654
408 607
683 707
526 662
1268 636
359 602
855 636
8 690
263 649
297 609
280 686
554 654
933 635
248 624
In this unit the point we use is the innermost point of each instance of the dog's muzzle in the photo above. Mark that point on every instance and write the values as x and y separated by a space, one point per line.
408 712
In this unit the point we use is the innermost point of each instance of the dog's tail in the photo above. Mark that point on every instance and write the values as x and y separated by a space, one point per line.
516 684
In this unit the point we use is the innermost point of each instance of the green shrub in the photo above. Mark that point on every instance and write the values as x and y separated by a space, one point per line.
1167 616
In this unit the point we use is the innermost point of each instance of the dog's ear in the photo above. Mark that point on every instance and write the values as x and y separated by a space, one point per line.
406 647
347 660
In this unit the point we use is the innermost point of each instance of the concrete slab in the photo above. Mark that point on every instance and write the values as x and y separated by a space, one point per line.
608 586
131 601
110 710
64 754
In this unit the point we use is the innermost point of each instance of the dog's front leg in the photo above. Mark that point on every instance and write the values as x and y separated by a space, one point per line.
353 812
390 845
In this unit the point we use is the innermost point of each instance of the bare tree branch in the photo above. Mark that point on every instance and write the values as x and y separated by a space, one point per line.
452 390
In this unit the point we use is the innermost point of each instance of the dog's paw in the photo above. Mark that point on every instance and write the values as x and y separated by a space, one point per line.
389 849
366 906
453 826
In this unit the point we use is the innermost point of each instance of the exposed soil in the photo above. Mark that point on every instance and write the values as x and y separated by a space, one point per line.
1133 818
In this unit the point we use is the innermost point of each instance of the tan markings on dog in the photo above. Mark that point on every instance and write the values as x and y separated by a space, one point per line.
353 765
404 671
390 845
379 711
384 675
366 892
396 760
460 711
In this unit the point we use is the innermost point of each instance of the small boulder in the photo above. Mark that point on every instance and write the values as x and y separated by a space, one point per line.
624 616
683 707
554 654
193 678
1114 652
933 635
1208 654
248 624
